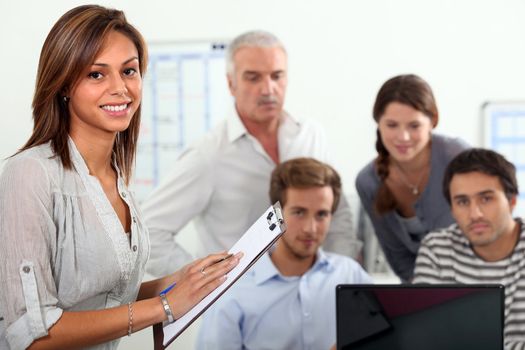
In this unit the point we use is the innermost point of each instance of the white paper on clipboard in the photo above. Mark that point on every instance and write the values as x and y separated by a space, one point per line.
253 243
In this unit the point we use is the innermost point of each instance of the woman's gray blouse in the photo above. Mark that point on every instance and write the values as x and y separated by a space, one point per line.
62 246
432 209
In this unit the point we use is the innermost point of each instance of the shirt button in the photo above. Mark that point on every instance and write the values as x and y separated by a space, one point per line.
134 248
26 269
134 220
123 194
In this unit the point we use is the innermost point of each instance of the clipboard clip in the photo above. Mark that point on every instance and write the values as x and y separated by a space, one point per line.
279 216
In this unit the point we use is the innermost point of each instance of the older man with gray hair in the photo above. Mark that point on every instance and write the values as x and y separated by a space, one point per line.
222 181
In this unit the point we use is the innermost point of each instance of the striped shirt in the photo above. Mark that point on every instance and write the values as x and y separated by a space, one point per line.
446 256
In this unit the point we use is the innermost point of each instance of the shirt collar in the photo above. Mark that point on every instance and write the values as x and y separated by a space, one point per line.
236 129
76 157
265 270
289 126
322 262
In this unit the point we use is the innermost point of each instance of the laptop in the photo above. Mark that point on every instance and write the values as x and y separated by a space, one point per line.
415 317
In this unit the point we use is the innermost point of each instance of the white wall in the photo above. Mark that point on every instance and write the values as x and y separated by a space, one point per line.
340 53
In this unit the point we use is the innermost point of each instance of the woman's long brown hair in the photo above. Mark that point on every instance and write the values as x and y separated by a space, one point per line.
410 90
72 45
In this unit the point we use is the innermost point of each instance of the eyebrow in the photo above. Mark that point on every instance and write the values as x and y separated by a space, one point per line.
297 207
123 63
253 72
482 193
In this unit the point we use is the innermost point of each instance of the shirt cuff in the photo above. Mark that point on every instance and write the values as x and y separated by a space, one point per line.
20 333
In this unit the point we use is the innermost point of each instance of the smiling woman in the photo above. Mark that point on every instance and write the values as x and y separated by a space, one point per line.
74 246
108 94
401 189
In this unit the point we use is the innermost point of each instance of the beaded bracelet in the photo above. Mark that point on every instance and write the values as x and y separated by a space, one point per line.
130 318
167 308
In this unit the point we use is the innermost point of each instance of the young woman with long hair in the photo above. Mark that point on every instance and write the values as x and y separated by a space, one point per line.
74 245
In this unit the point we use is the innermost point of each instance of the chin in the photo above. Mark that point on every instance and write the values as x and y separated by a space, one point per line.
402 157
308 253
482 241
122 125
267 118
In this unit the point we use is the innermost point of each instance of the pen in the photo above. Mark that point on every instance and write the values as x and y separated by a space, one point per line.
170 287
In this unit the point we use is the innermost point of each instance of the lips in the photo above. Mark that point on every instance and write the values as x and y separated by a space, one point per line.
307 241
115 108
402 149
267 104
478 227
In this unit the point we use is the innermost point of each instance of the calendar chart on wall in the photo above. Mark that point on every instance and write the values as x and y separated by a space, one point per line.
185 93
504 132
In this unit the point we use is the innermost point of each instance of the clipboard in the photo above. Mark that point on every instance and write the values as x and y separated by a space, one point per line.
254 243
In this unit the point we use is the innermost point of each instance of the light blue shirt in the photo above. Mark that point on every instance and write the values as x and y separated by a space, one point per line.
266 310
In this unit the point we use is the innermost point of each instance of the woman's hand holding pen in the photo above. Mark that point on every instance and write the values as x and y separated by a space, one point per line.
198 279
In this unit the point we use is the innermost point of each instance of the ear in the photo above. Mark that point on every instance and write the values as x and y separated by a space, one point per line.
434 121
512 202
231 83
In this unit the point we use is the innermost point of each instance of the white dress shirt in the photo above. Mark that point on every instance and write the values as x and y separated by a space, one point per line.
223 182
62 245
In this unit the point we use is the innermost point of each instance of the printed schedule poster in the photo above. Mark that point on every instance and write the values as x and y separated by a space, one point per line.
504 132
185 93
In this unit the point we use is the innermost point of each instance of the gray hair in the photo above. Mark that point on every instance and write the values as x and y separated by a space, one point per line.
255 38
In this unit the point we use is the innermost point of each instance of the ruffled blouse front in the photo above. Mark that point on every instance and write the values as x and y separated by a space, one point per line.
63 246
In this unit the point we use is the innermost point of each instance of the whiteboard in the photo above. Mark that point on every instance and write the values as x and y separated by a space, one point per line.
504 132
185 93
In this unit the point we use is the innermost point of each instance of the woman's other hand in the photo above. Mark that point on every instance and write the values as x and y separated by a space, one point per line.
198 279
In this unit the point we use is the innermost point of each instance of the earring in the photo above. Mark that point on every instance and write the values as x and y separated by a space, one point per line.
66 99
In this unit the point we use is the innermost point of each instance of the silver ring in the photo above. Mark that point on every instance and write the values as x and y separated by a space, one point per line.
203 272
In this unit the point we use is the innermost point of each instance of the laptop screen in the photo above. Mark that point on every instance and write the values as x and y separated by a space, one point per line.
415 317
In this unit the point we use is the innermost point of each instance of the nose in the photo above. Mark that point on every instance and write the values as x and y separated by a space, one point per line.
267 86
404 134
310 225
475 211
118 86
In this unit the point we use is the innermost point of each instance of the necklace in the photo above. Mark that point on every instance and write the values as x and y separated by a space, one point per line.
413 188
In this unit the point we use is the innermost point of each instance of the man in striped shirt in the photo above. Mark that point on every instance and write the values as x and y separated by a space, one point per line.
486 245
